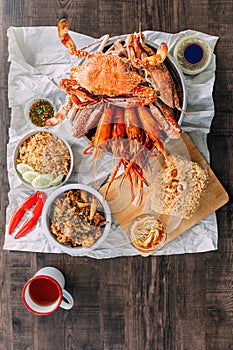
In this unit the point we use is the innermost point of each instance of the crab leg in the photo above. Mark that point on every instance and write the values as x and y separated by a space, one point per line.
164 115
117 48
72 113
146 54
162 81
71 87
138 58
86 119
61 113
156 72
67 41
132 53
140 96
158 58
103 39
146 48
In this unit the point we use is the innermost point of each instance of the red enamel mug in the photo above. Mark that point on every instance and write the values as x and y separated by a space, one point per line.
44 293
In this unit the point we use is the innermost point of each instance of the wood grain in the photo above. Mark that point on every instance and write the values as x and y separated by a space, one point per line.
129 303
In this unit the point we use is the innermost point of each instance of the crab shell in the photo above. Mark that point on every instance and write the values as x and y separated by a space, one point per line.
108 75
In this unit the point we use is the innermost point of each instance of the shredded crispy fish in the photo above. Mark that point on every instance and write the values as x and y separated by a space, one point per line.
77 218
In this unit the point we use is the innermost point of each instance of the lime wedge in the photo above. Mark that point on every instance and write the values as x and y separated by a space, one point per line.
29 176
23 168
58 180
42 181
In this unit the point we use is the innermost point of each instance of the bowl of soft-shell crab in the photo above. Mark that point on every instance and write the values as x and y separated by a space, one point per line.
76 219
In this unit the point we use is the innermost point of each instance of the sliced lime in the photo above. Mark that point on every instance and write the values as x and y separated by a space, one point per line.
23 168
58 180
42 181
29 176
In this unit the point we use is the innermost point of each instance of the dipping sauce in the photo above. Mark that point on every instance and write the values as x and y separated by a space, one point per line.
193 54
147 233
40 111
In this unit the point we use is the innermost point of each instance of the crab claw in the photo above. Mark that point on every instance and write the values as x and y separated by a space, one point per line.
159 57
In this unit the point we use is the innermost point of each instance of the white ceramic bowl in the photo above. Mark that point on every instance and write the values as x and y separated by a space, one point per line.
30 103
204 59
20 175
78 251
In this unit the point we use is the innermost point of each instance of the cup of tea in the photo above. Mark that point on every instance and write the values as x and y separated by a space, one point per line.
44 293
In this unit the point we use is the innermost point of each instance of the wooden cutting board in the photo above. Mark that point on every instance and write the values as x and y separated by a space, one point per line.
124 211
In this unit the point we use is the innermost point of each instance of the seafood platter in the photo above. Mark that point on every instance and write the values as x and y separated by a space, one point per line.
127 98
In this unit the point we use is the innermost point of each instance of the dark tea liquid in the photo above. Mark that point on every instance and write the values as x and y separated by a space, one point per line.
43 292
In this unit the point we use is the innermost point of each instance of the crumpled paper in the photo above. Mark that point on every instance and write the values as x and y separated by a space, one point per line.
38 62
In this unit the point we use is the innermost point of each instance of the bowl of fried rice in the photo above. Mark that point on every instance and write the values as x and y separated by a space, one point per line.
76 219
42 160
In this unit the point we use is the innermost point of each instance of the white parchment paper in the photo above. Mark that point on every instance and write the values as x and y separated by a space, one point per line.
38 61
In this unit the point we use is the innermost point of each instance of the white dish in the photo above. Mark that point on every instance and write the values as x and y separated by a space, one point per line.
199 56
79 250
30 103
20 175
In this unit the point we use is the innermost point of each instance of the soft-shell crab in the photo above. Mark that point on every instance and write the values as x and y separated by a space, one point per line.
127 95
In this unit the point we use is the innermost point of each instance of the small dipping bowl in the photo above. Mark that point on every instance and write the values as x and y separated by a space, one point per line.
193 54
147 233
38 110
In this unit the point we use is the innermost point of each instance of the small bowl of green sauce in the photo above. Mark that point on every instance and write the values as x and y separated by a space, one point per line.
193 54
39 110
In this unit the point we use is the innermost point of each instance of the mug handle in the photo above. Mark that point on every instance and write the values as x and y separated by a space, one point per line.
69 298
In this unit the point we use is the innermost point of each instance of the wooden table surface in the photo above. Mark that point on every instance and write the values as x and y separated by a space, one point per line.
180 302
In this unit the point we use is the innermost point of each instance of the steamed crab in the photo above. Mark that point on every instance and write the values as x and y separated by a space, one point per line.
127 95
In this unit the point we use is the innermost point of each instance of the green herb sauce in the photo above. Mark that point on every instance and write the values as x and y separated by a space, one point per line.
40 111
188 67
